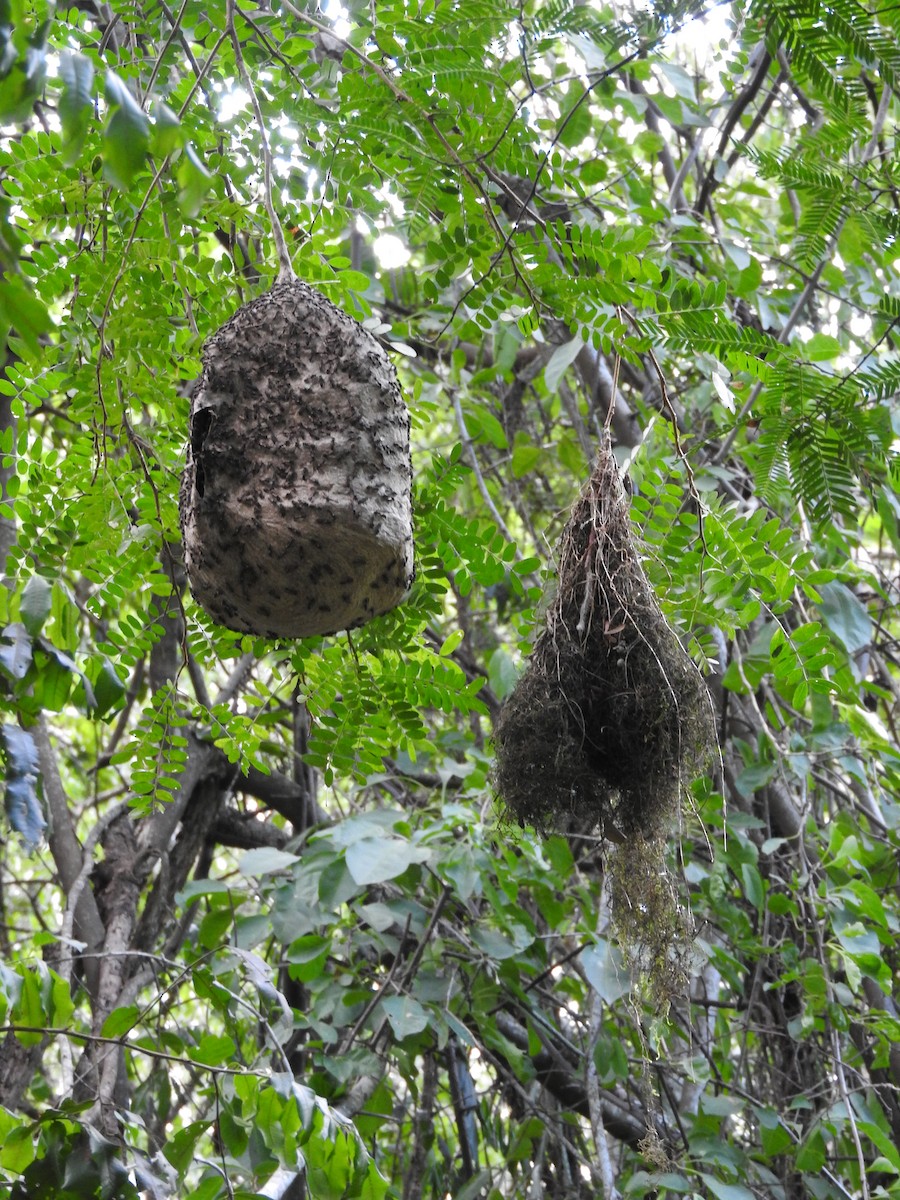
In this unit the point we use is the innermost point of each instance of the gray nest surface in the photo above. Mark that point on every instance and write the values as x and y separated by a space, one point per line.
295 501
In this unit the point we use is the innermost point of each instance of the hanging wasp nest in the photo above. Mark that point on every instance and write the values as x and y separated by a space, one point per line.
295 501
611 718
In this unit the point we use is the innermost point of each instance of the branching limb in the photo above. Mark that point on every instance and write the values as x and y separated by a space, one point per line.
423 1131
68 922
742 100
67 852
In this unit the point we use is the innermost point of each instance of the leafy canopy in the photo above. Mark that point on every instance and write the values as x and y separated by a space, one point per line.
263 933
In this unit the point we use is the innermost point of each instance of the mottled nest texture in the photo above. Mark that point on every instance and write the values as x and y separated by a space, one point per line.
296 509
611 717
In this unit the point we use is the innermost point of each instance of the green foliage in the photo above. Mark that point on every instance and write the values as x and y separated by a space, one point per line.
23 808
260 924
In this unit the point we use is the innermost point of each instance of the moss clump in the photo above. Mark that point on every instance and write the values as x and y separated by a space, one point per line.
655 930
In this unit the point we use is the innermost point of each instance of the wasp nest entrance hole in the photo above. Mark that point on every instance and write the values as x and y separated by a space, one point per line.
611 718
295 502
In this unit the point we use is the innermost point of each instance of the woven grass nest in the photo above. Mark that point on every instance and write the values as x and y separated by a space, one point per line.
611 717
296 510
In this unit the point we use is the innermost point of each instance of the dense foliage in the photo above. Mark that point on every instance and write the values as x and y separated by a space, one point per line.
265 928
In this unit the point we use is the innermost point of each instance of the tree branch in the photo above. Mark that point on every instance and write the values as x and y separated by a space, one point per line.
67 852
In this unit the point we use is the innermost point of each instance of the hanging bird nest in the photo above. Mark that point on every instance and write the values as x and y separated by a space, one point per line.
295 501
611 717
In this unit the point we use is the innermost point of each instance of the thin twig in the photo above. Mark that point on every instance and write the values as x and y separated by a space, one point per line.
174 32
679 449
473 461
136 1048
346 1044
221 1141
285 267
430 118
103 350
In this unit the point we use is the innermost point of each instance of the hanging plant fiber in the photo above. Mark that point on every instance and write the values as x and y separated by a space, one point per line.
611 717
295 501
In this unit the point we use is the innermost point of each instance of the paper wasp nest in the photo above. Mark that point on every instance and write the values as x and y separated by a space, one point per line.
295 501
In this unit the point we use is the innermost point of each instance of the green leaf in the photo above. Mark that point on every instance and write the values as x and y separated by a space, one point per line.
23 805
375 860
62 1006
524 456
724 393
355 281
606 971
207 1189
483 425
15 651
726 1191
34 605
754 889
232 1132
868 902
451 642
17 1147
860 942
24 312
29 1009
406 1015
374 1186
493 944
193 182
22 83
308 956
749 279
168 132
55 679
503 673
846 617
76 103
560 361
213 1050
891 1157
121 1021
575 122
213 927
822 347
109 689
126 138
682 82
180 1148
330 1164
266 860
810 1155
474 1187
775 1138
754 778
